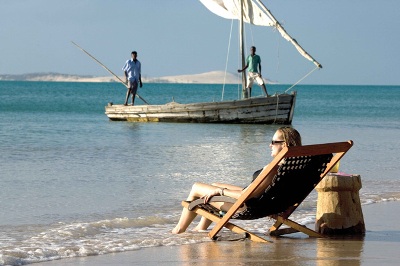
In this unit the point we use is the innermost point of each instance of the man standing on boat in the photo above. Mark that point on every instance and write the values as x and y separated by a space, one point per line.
253 62
133 76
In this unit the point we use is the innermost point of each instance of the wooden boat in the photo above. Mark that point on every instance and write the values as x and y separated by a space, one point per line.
275 109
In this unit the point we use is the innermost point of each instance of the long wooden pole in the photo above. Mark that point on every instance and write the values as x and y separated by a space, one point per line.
106 68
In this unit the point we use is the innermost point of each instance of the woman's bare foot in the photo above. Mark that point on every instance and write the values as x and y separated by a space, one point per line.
198 230
176 230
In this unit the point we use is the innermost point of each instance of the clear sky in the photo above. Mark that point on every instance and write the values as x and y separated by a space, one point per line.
357 41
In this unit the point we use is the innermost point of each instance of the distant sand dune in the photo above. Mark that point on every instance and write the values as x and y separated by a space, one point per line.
213 77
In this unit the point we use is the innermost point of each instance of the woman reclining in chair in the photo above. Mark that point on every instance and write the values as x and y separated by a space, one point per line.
284 136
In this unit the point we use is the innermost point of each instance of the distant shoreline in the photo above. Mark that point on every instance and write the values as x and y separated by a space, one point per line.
213 77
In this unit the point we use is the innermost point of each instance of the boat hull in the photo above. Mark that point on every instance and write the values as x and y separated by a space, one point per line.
276 109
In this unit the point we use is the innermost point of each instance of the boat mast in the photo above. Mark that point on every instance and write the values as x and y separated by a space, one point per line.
241 40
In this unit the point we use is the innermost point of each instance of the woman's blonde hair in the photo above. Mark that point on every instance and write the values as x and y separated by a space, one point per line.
290 135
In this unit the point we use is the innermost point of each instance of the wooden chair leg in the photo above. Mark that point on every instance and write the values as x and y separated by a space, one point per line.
294 227
234 228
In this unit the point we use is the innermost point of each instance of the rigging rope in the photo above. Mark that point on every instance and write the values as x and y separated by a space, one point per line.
302 78
226 64
278 54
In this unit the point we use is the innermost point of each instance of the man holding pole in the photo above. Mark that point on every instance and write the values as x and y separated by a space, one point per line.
133 76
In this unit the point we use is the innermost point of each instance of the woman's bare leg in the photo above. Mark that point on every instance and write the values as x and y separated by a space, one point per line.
198 190
204 222
227 186
186 218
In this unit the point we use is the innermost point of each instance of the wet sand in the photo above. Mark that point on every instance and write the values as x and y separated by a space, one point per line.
379 246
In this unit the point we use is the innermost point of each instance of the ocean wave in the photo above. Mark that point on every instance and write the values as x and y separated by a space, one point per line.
122 234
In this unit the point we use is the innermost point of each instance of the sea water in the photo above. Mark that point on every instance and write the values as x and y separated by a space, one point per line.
74 183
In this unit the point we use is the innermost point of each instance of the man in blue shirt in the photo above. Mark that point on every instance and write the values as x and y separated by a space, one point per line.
253 62
133 76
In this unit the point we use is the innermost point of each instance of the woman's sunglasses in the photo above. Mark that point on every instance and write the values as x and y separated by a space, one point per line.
273 142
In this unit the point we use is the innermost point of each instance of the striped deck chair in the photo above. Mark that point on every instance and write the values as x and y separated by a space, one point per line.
302 168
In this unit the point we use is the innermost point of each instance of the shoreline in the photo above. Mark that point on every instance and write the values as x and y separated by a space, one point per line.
378 246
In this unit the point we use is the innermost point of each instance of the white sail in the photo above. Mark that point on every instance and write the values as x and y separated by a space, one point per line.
253 14
230 9
218 8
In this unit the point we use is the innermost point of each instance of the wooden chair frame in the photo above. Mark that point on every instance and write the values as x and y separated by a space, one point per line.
339 149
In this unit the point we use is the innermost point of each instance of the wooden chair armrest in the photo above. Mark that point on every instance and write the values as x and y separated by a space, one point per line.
194 203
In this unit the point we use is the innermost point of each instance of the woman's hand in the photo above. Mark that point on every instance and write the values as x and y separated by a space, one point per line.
216 192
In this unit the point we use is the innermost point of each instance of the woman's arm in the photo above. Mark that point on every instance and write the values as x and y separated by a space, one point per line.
229 190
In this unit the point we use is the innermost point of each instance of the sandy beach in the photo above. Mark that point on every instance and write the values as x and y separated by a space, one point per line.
379 246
